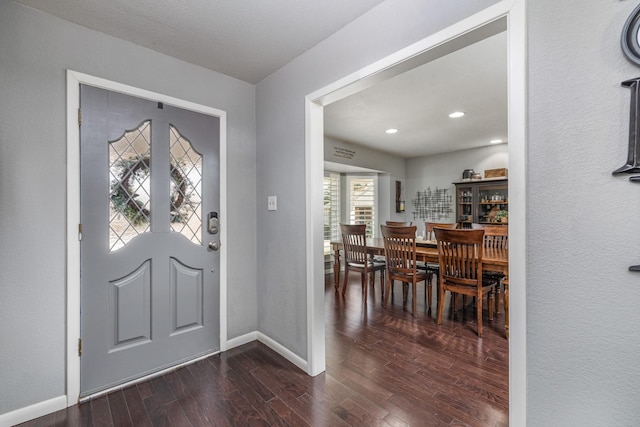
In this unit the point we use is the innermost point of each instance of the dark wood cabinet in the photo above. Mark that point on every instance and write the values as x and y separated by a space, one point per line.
482 201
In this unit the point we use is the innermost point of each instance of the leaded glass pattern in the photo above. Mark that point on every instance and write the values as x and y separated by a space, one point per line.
129 189
186 187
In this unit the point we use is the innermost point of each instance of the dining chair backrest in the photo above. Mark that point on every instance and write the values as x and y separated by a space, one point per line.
399 223
400 257
429 226
460 256
354 241
496 237
400 248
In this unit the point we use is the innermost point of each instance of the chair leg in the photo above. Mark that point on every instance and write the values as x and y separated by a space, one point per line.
440 303
427 293
413 297
364 282
479 312
498 286
491 303
388 292
346 279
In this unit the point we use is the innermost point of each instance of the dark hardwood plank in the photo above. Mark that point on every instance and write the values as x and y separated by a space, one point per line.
119 410
74 416
156 411
101 412
137 410
384 368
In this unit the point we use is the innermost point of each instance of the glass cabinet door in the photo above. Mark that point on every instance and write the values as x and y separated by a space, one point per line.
464 211
492 203
482 202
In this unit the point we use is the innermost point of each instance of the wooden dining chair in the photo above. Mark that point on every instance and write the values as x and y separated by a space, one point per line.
398 223
460 254
357 258
432 268
400 256
496 237
429 234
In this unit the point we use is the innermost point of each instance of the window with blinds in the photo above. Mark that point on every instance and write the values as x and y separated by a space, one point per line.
331 210
362 202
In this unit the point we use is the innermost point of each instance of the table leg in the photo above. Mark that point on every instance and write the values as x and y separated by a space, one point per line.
336 268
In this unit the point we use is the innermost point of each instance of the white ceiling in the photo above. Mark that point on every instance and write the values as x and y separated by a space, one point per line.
245 39
250 39
418 102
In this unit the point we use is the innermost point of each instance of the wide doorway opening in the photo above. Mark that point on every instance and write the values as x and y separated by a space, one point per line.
449 40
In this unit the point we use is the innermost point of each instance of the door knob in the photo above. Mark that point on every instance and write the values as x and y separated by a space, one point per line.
214 246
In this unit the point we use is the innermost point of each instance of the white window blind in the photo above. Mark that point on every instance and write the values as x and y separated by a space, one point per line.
331 210
362 202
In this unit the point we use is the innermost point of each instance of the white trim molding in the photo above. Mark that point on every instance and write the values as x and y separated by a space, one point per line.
509 16
33 411
283 351
272 344
74 80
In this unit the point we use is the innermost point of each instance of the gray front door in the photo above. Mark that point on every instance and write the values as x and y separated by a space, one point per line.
149 209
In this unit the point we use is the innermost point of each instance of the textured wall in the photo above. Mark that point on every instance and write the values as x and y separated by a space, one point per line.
35 51
280 109
583 224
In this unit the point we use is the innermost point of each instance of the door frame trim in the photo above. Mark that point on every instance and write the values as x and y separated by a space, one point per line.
74 80
514 12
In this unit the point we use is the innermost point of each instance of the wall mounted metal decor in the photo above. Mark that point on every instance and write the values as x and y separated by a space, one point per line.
633 156
630 42
432 205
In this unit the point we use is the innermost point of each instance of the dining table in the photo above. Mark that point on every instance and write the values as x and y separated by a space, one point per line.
493 259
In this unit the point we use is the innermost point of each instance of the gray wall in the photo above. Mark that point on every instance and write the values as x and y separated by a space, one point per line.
35 51
441 170
582 223
583 306
280 141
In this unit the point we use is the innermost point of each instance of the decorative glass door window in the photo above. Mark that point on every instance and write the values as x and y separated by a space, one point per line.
130 187
186 187
129 190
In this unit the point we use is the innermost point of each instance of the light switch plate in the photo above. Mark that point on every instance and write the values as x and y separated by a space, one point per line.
272 203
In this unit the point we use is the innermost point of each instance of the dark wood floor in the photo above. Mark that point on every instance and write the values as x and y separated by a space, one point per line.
384 368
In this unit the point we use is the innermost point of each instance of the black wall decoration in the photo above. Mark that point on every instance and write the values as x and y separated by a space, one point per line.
432 205
631 48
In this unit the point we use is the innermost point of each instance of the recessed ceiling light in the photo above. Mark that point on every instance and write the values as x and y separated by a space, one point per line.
392 130
456 114
495 141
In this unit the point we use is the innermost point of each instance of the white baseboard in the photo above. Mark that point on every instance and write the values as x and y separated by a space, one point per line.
242 340
33 411
272 344
283 351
